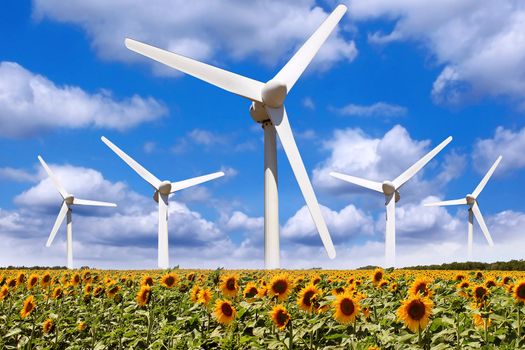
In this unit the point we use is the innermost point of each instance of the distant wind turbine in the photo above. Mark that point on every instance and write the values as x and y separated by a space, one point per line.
391 191
68 200
162 191
473 209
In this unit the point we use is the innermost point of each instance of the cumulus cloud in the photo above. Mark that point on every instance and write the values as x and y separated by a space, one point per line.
505 142
17 175
481 45
38 105
379 109
266 31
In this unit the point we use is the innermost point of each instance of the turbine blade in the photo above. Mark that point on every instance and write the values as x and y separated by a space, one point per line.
375 186
486 178
401 179
61 216
180 185
282 126
139 169
59 187
302 58
481 222
78 201
235 83
450 202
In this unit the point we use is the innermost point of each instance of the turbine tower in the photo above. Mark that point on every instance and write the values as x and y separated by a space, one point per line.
391 191
161 195
473 208
68 200
268 109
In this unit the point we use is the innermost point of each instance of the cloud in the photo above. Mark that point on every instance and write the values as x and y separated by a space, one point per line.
480 45
265 31
308 103
378 109
206 137
507 143
39 105
17 175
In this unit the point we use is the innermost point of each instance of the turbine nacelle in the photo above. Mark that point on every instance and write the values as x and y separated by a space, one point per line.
165 187
470 199
273 93
69 199
388 188
258 112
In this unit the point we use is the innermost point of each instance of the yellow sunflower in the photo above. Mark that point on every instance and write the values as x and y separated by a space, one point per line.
415 312
280 316
29 306
81 326
4 292
32 281
144 295
480 293
204 296
20 279
48 326
75 279
250 291
57 293
480 321
194 294
112 290
147 281
420 287
490 283
46 280
377 276
280 286
229 285
506 280
346 308
306 299
224 311
169 280
518 291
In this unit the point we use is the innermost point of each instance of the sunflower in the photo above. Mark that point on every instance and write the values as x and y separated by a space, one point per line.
169 280
81 326
224 311
48 326
29 306
280 316
20 279
415 312
229 285
307 298
480 293
316 280
46 280
377 276
86 277
459 277
75 279
518 291
204 296
88 289
98 291
32 281
194 294
490 283
346 308
144 295
57 293
338 290
112 290
382 284
480 321
479 275
506 280
280 286
147 281
190 276
11 283
421 287
251 291
4 292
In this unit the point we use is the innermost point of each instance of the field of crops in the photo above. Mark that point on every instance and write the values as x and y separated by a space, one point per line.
219 309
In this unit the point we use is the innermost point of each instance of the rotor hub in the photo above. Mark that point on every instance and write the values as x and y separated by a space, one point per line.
69 199
470 199
388 188
258 112
273 93
165 187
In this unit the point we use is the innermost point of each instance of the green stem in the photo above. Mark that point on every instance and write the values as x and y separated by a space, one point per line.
290 340
519 326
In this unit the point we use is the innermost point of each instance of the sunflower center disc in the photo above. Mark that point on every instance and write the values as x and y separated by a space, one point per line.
347 307
416 311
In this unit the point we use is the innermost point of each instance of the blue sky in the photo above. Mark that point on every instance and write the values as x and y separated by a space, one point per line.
392 82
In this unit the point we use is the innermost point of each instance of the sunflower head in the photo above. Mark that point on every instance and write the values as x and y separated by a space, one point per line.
420 287
194 294
346 308
519 291
20 279
46 280
169 280
75 279
86 277
57 293
147 281
224 312
280 317
490 283
338 290
28 307
98 291
415 312
4 292
251 291
112 290
480 321
377 276
48 326
229 285
506 280
81 326
459 277
382 284
11 283
204 296
144 295
308 297
480 293
32 281
479 275
280 286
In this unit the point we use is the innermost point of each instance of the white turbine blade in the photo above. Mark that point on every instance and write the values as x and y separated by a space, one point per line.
375 186
235 83
180 185
59 187
302 58
486 178
481 222
78 201
139 169
450 202
401 179
58 222
282 126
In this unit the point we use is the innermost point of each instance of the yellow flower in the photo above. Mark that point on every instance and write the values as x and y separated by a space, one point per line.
32 281
415 312
306 299
224 311
377 276
346 308
48 326
204 296
229 285
518 291
421 287
112 290
251 291
194 294
81 326
280 286
480 321
75 279
169 280
4 292
280 316
144 295
46 280
147 281
29 306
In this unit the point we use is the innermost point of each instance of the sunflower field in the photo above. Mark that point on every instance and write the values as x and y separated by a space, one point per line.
255 309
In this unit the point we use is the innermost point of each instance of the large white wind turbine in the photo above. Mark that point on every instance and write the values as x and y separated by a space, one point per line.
162 191
391 191
473 209
68 200
268 109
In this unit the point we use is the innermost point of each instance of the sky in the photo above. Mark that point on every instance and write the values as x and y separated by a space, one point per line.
392 82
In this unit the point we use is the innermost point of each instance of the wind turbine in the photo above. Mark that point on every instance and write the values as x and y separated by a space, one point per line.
68 200
268 109
391 191
162 191
473 209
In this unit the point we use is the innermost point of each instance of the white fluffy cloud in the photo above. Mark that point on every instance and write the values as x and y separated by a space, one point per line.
480 44
378 109
267 31
38 105
507 143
